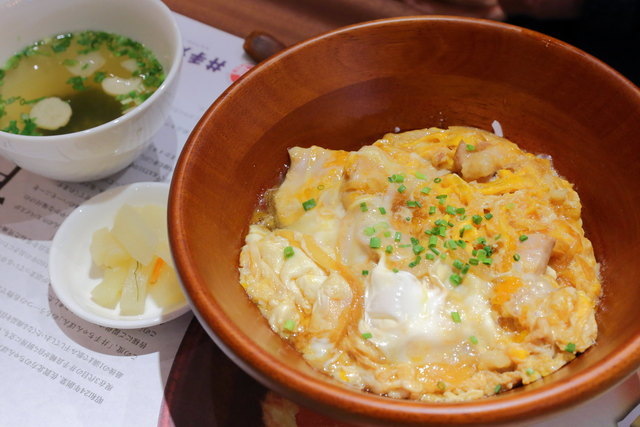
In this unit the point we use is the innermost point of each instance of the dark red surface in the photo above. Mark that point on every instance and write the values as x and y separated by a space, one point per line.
205 388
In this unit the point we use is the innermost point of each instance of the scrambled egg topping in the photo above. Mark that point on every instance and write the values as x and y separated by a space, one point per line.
437 265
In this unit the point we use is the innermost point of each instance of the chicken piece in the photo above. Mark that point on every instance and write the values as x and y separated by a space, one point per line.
483 160
366 173
564 316
535 252
332 298
315 173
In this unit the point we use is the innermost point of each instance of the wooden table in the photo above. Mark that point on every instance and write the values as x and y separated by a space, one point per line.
291 21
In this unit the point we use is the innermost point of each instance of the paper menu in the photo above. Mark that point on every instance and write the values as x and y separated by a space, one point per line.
57 369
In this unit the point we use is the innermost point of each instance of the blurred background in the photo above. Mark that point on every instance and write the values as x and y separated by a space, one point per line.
607 29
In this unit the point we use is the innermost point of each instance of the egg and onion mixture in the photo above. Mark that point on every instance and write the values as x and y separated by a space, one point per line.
437 265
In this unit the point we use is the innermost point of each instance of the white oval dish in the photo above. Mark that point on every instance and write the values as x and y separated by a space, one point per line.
72 272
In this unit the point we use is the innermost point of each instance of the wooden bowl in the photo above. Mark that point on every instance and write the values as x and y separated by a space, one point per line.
345 89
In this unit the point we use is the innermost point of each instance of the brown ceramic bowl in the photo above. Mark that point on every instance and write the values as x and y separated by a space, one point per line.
346 88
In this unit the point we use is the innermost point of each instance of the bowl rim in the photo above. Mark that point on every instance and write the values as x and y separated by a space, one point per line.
350 403
176 63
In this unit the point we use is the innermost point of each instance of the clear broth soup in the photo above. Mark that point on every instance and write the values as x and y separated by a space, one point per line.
75 81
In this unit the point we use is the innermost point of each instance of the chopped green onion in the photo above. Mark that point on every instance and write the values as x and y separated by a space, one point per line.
481 241
465 228
435 251
437 180
425 190
571 347
530 371
458 264
465 269
433 241
415 262
443 255
414 241
516 257
404 246
367 335
375 243
523 237
477 219
429 257
413 204
420 175
455 316
363 207
487 261
471 147
473 339
382 210
497 388
397 236
488 216
365 272
397 178
460 211
417 249
289 325
288 252
388 249
369 231
442 231
407 218
450 210
395 270
309 204
432 210
461 243
387 233
481 253
402 188
441 198
77 82
455 280
452 244
473 261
